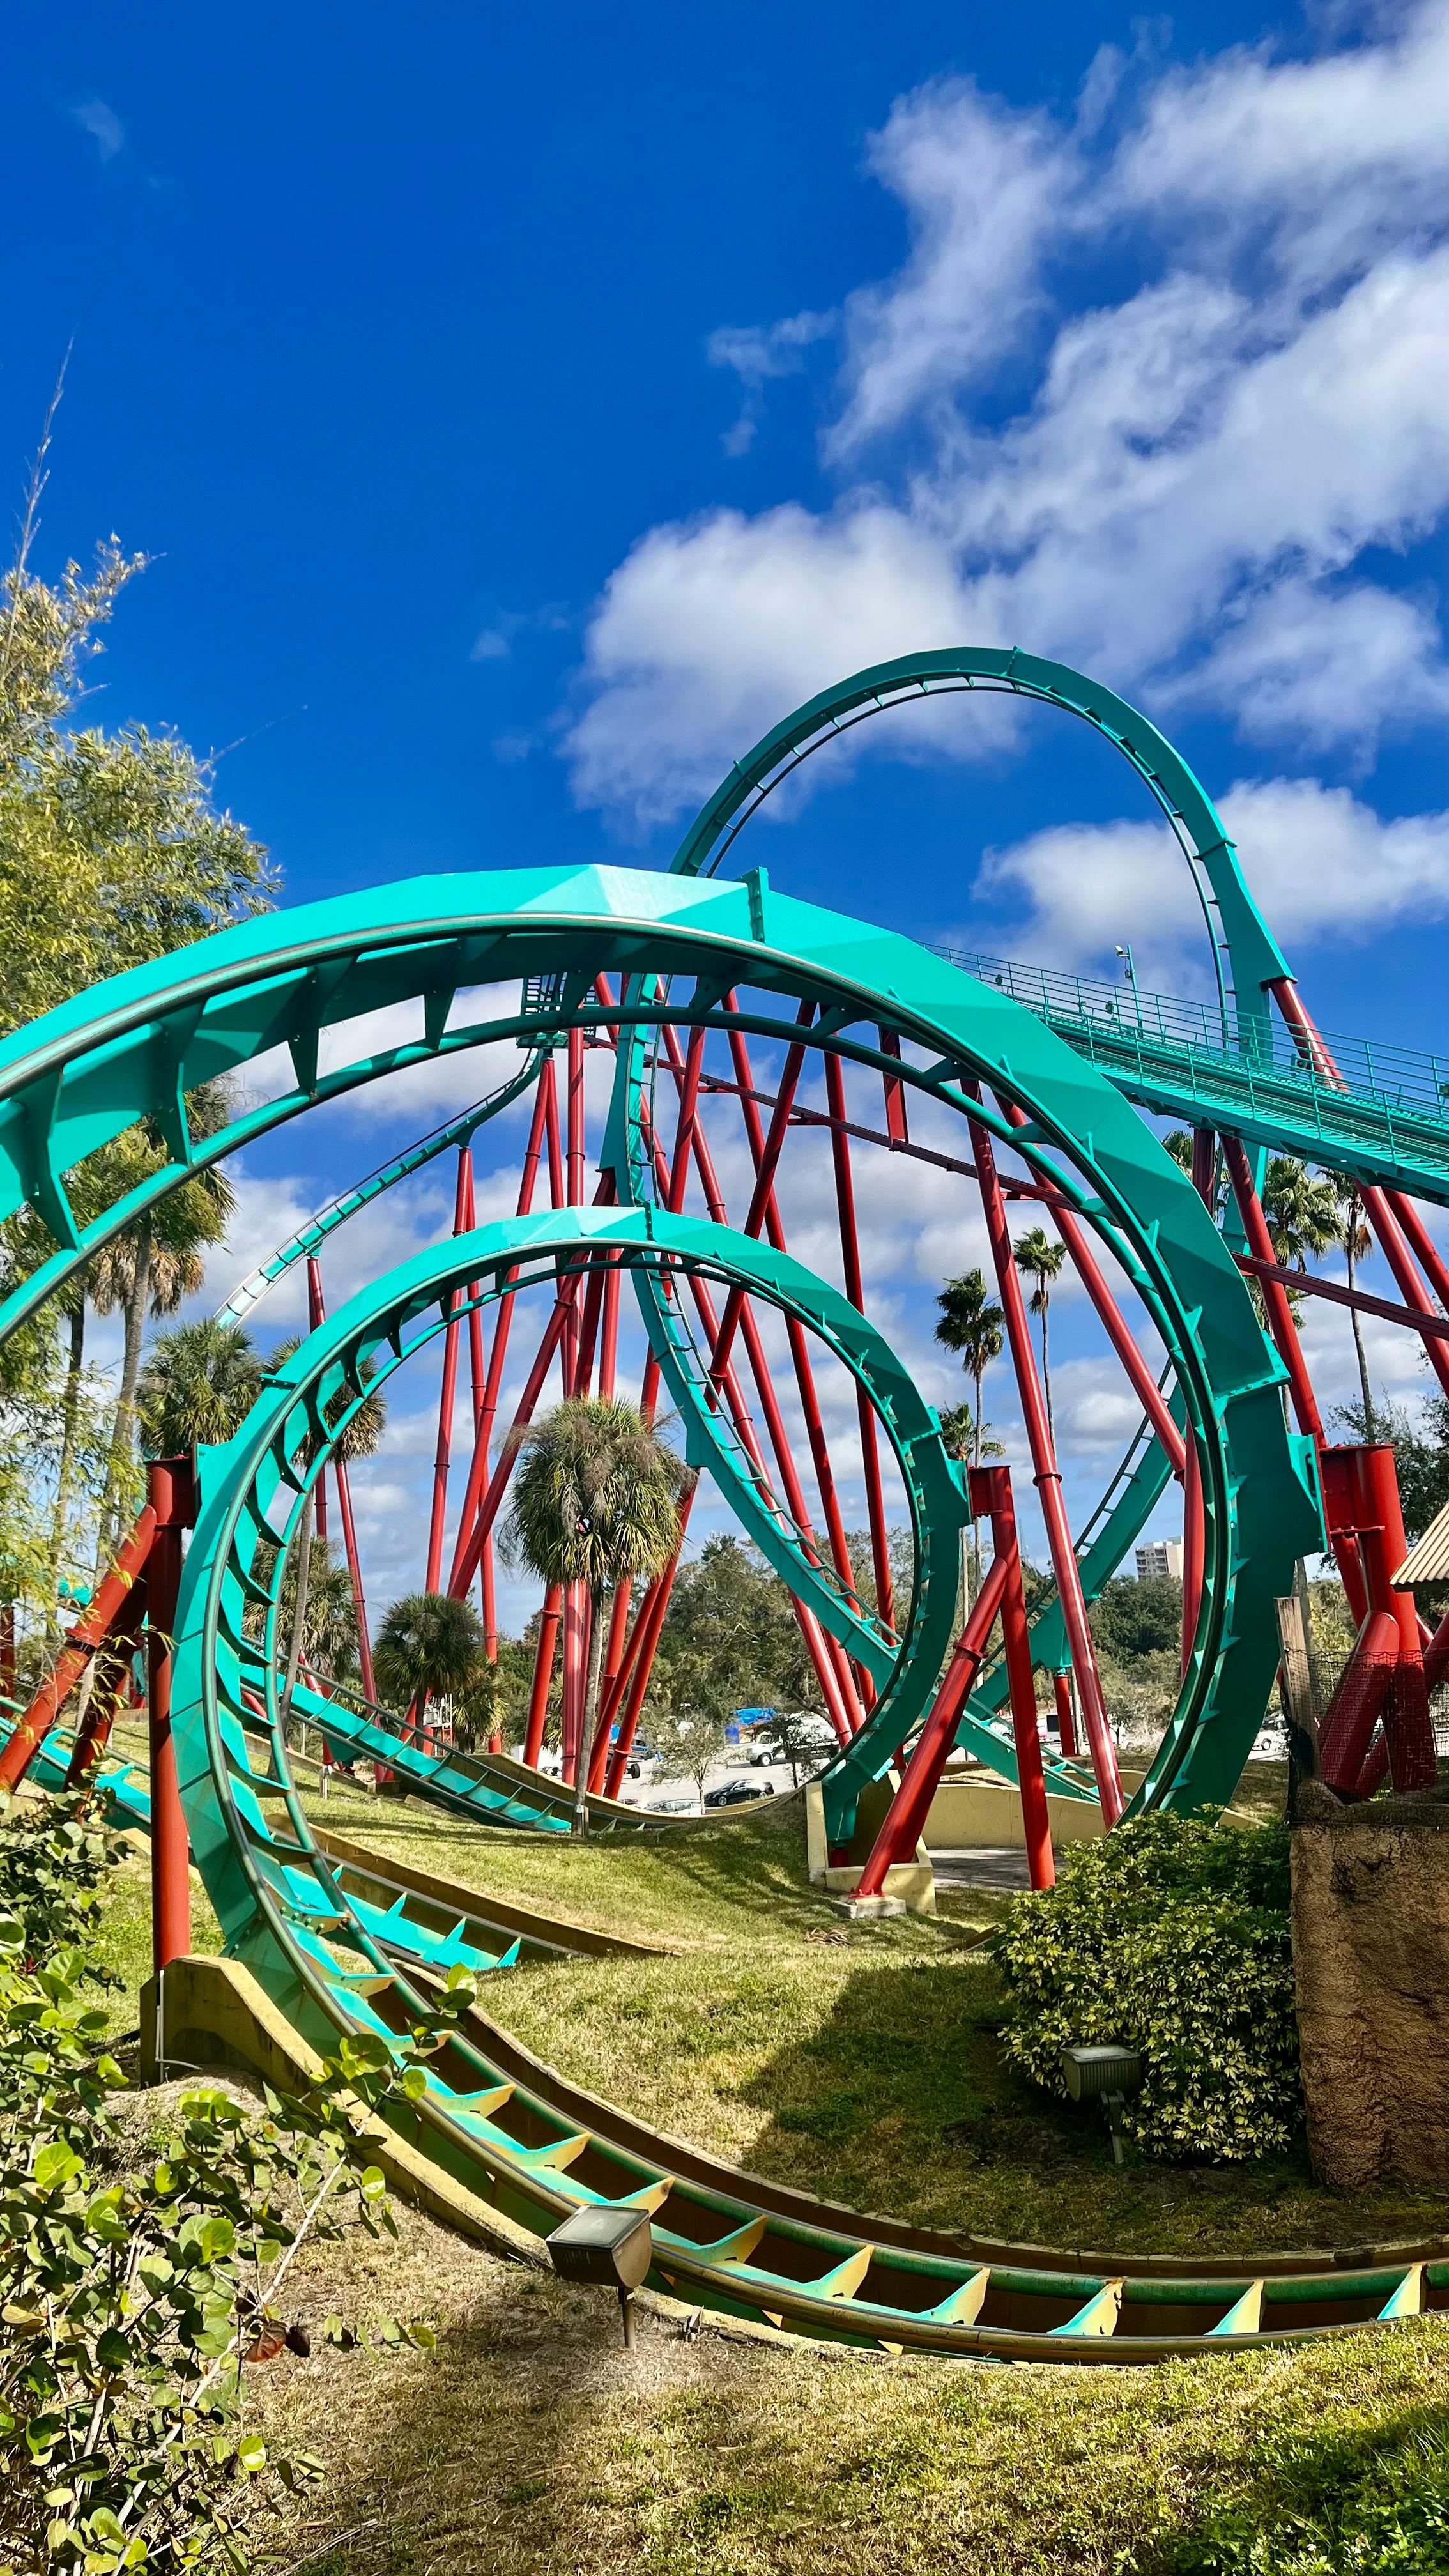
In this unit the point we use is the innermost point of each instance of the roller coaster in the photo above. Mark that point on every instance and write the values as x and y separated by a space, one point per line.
688 1034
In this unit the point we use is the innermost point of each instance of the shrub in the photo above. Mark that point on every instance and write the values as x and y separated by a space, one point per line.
130 2299
1171 1935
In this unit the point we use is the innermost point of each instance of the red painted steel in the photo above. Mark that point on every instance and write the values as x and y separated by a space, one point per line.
1353 1711
906 1815
315 1314
865 1411
1366 1474
109 1665
1047 1478
638 1656
765 1170
1377 1204
446 1399
89 1633
895 1092
171 1500
1066 1718
543 1664
316 1311
478 1466
1144 1385
1308 1284
1204 1180
831 1664
990 1489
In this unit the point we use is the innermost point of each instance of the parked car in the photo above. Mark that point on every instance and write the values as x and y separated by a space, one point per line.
737 1793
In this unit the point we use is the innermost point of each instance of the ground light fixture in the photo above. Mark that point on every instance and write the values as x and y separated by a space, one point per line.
606 2245
1106 2075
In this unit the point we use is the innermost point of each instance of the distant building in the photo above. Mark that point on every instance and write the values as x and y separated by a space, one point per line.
1160 1556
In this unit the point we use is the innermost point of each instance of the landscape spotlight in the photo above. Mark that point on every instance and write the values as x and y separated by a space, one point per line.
1106 2075
606 2245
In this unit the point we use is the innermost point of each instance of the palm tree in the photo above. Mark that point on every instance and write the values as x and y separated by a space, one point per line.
359 1437
1356 1239
1041 1259
972 1325
595 1501
197 1387
157 1261
428 1646
1303 1212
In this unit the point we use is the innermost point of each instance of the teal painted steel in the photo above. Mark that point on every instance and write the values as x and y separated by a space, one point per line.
329 1958
515 2135
133 1047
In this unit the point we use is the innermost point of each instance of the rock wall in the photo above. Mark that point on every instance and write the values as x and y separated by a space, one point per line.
1371 1965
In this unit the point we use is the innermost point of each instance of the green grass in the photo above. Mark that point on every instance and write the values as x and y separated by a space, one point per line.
123 1936
529 2442
861 2063
838 2058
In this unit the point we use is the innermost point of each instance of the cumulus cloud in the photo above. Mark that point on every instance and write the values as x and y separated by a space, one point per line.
1322 864
1149 387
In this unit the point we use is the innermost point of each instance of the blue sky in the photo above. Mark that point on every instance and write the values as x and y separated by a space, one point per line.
524 412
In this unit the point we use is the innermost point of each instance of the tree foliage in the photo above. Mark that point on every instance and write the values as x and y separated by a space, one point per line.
113 851
428 1646
131 2299
1171 1935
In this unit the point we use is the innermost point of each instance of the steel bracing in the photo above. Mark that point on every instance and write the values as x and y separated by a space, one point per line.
682 1044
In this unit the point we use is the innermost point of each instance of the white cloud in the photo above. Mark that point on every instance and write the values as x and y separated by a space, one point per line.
103 125
707 633
985 188
759 355
1176 484
1322 865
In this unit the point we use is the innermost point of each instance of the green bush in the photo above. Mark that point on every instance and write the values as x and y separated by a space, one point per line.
1171 1936
131 2296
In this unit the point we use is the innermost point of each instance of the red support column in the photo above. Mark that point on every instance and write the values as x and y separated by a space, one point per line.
1144 1385
895 1091
832 1665
1380 1206
543 1673
85 1637
991 1493
483 1429
854 1289
906 1816
111 1661
574 1655
446 1400
769 1217
1194 1529
1373 1507
608 1676
640 1651
1066 1720
171 1494
1047 1478
575 1183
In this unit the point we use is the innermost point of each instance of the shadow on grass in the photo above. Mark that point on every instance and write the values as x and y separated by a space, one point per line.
903 2099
